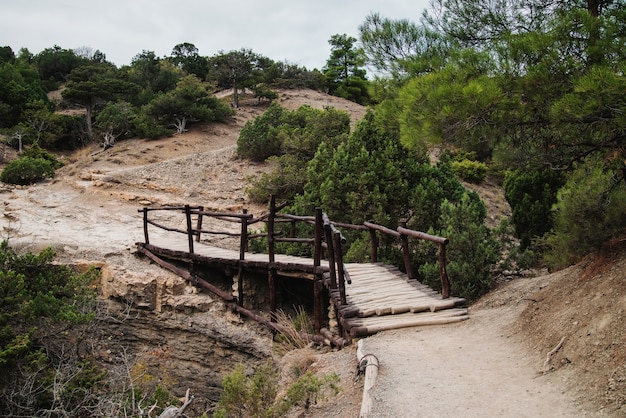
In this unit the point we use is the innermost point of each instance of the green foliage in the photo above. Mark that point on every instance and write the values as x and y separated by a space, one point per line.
40 304
471 171
37 152
255 396
191 101
473 250
27 170
263 92
531 194
56 63
590 210
257 140
294 138
19 86
144 126
344 71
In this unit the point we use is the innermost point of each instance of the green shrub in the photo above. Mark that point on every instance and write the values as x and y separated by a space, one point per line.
27 170
472 252
37 152
256 140
591 210
470 171
531 194
144 126
256 396
42 309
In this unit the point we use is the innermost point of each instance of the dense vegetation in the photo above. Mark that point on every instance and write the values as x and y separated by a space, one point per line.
530 94
43 308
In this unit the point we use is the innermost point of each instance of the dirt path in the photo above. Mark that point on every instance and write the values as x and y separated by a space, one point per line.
472 369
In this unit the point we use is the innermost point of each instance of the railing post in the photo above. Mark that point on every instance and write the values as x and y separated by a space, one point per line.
340 269
243 245
374 243
199 223
189 228
145 226
331 252
271 269
406 253
270 228
317 277
243 242
443 274
292 229
319 230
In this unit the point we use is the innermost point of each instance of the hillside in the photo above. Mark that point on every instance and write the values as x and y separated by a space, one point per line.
89 213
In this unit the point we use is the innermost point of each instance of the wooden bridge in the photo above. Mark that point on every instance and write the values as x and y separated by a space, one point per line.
364 298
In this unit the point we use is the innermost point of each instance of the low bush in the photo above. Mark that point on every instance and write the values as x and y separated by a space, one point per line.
27 170
470 171
256 396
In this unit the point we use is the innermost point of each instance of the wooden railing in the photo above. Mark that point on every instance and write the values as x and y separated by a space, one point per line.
327 240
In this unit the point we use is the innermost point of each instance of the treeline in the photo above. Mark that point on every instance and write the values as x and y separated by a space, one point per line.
151 97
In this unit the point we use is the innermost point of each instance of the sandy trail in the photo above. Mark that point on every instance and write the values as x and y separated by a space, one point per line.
476 368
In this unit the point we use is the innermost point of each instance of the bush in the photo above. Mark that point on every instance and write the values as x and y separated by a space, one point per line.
473 250
470 171
27 170
42 309
531 194
591 209
256 396
37 152
256 140
144 126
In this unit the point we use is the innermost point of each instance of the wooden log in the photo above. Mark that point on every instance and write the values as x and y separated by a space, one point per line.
369 330
187 276
368 364
406 318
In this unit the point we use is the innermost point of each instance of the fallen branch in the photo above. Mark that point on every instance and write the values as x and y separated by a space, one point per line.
546 365
174 411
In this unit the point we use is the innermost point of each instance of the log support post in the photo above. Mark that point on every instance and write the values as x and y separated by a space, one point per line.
443 274
271 272
340 268
243 244
145 226
318 304
199 223
374 244
328 233
189 228
406 253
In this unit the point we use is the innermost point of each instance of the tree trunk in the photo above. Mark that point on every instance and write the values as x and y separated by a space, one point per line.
89 109
235 93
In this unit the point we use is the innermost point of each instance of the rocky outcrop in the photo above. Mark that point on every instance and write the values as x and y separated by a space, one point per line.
154 323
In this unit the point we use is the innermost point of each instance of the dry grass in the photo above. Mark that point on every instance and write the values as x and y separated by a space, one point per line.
295 326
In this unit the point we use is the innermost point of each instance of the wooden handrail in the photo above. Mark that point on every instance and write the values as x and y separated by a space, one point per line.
423 235
381 228
328 237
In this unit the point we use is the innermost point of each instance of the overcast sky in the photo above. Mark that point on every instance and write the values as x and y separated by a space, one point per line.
296 31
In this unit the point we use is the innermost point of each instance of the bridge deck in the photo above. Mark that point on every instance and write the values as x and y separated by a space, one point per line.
380 297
